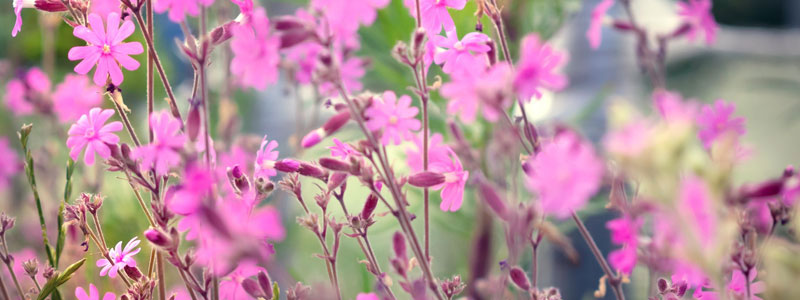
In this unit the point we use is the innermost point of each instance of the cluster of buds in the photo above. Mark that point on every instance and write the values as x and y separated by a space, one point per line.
76 213
411 56
140 290
298 292
6 223
452 287
260 288
670 291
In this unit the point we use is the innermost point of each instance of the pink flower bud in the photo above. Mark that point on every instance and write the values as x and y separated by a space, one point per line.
520 279
50 5
334 164
264 282
399 245
426 179
492 198
252 288
312 138
287 165
193 121
336 180
369 206
310 170
336 122
158 238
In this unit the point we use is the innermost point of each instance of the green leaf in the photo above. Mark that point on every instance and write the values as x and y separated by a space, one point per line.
56 281
276 291
23 134
67 192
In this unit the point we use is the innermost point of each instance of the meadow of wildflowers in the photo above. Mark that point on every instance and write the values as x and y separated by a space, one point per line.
141 182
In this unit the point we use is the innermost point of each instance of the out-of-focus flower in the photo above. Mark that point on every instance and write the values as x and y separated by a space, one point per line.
696 204
255 52
93 294
74 97
345 16
105 7
105 49
537 68
265 159
738 288
92 133
594 34
163 152
564 174
231 286
304 57
459 53
24 93
436 151
478 88
188 196
369 296
119 258
178 9
717 120
689 274
455 179
343 150
624 232
629 140
673 108
434 13
10 163
18 6
351 69
697 14
396 117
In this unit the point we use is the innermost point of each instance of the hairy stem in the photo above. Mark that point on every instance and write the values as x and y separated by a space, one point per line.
116 98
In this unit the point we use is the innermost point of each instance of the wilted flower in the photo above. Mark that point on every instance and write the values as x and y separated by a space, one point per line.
92 133
119 258
537 67
396 117
93 294
105 49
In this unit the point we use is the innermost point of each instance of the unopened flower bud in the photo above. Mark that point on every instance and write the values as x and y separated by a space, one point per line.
520 279
287 165
663 285
252 288
369 206
307 169
158 238
312 138
331 126
293 37
193 120
264 187
492 198
6 223
334 164
622 25
31 267
426 179
399 245
289 22
400 53
133 273
49 5
768 188
265 283
336 180
48 272
238 179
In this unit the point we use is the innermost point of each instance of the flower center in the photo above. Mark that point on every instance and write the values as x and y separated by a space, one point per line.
393 120
106 49
458 46
89 133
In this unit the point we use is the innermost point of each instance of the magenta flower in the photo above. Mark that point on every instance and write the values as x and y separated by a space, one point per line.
436 151
395 118
624 232
18 6
10 163
178 9
478 88
265 159
343 150
697 15
459 53
717 120
105 49
92 133
119 258
186 198
536 69
455 179
365 296
74 97
163 152
231 286
304 57
105 7
695 203
255 52
80 294
564 174
594 34
434 13
738 284
25 94
345 16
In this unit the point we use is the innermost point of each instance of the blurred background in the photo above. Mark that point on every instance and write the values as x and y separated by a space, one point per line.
755 64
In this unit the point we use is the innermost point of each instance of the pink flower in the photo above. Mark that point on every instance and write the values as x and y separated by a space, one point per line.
178 9
350 70
364 296
459 53
624 231
738 284
231 287
690 274
629 140
345 16
265 159
697 15
163 152
673 108
10 163
304 57
119 258
105 7
105 49
74 97
596 25
455 179
18 6
80 294
695 203
343 150
396 119
255 52
478 88
186 198
25 94
564 174
717 120
436 149
434 13
623 259
536 69
91 132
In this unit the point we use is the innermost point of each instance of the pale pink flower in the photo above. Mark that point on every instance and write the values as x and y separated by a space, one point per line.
163 152
74 97
459 53
717 120
265 159
455 179
594 34
105 49
343 150
10 163
673 108
24 94
537 69
434 13
93 294
738 284
119 258
479 88
365 296
624 232
105 7
345 16
436 151
92 133
178 9
697 15
629 140
396 117
304 56
564 174
696 203
255 52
